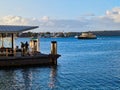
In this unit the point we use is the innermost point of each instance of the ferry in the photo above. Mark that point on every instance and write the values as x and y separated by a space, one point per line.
87 35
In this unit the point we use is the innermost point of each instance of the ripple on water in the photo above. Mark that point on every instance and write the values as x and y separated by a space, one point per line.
84 65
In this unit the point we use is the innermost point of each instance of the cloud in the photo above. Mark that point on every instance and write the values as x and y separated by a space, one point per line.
45 18
13 20
109 21
88 14
114 11
114 14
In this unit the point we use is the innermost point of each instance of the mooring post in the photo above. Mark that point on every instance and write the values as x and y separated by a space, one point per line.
53 47
54 52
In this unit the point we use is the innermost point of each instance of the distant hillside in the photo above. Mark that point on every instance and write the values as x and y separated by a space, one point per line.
107 33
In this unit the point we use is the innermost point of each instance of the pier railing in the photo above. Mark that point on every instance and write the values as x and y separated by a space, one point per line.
6 52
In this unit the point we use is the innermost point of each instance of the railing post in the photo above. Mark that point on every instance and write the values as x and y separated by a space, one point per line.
15 52
6 51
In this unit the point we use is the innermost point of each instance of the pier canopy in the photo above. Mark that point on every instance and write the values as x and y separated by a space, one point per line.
15 28
7 37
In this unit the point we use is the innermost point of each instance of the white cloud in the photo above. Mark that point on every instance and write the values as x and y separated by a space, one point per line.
114 14
13 20
109 21
45 18
88 15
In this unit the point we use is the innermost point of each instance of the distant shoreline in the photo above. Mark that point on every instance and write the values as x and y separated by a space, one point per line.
68 34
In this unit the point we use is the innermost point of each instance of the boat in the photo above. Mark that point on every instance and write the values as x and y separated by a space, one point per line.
87 35
13 56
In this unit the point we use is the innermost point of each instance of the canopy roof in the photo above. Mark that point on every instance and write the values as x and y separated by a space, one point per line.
15 28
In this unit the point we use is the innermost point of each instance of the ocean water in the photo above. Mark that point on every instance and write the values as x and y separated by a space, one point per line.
83 65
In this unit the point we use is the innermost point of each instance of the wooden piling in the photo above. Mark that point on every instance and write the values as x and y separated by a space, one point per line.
53 52
53 47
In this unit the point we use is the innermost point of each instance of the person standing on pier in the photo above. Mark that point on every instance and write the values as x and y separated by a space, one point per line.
22 49
26 47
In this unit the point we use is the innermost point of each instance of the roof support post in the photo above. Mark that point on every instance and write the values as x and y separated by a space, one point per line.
2 40
12 41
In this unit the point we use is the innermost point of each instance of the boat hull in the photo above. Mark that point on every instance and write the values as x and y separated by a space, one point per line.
87 37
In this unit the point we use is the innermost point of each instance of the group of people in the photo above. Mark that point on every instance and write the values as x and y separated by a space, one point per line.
24 48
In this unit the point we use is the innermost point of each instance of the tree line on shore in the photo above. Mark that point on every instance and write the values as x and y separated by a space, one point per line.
67 34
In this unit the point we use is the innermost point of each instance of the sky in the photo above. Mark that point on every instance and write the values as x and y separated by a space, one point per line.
62 15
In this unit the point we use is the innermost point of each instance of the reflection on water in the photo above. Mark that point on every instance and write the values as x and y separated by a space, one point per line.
27 79
53 75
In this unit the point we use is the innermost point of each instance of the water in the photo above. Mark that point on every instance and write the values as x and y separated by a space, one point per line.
84 65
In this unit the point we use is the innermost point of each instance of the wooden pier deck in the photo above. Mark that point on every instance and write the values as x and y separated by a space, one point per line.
38 60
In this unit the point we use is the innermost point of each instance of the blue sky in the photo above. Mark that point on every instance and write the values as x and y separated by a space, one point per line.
56 12
63 9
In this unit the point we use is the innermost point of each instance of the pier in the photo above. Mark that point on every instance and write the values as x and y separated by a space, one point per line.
13 56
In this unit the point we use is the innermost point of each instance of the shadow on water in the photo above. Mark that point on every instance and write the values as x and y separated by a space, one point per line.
28 79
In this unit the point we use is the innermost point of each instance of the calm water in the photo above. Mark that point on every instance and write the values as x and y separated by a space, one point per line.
84 65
